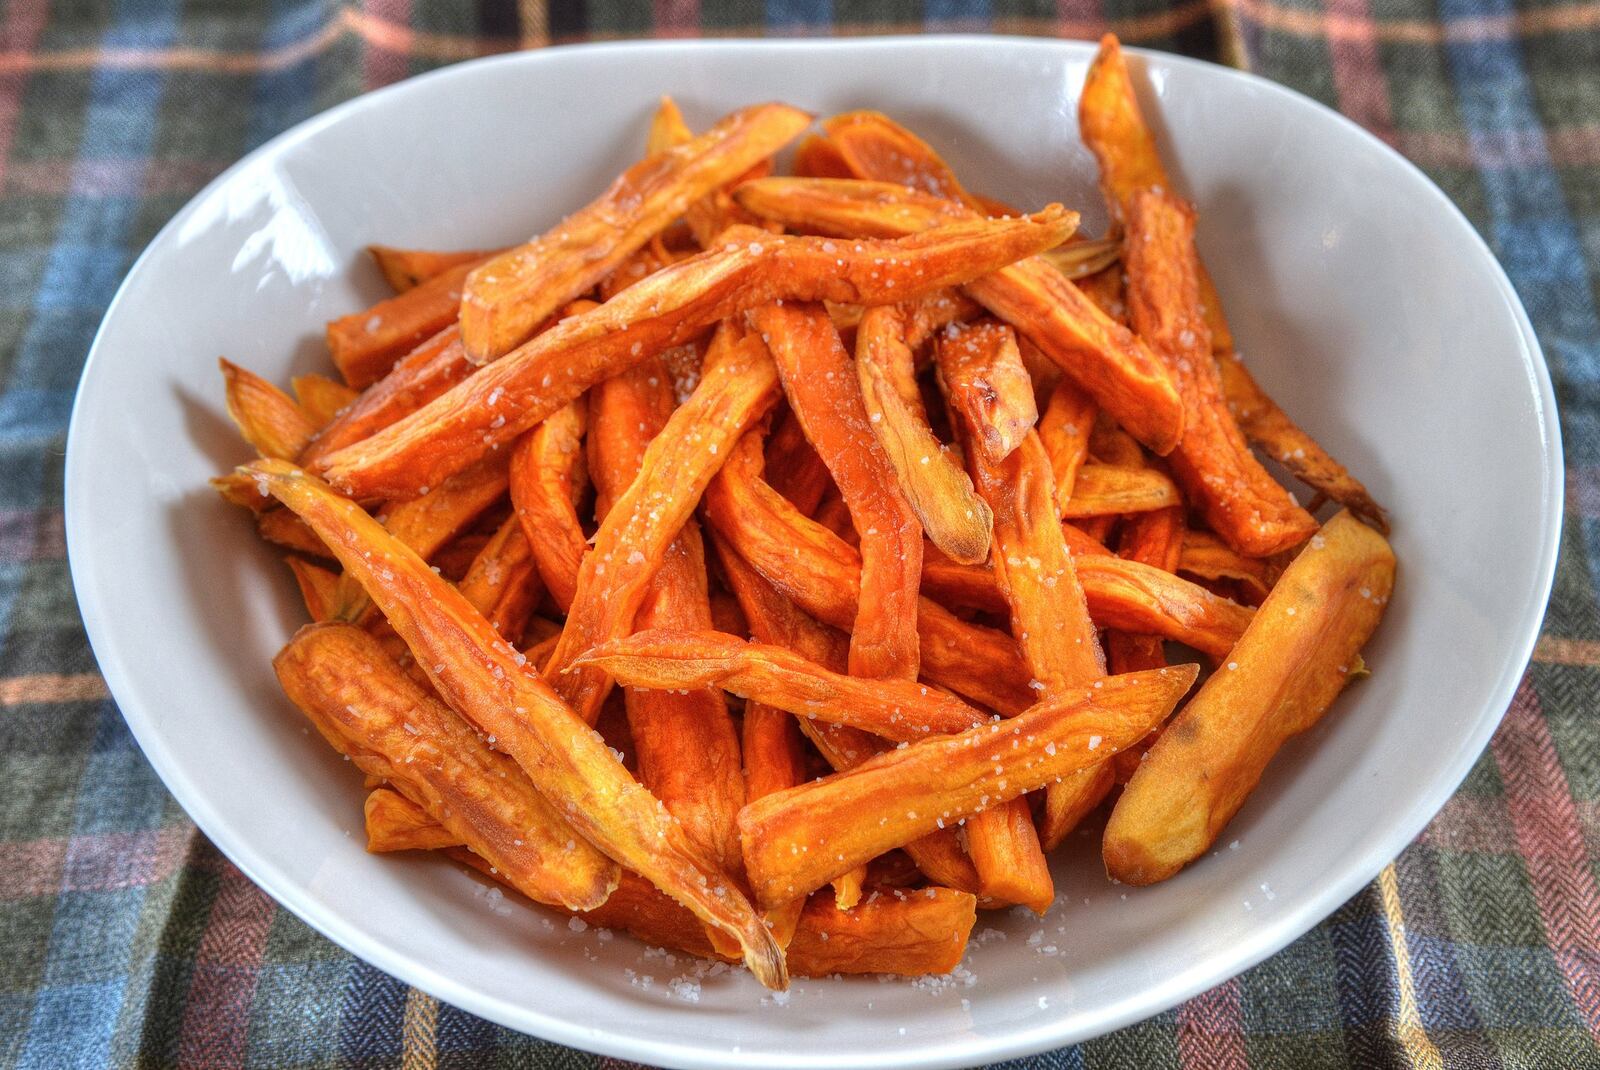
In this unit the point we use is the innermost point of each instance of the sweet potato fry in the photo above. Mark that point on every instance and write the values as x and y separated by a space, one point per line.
1219 474
1102 356
269 419
896 709
1266 425
404 269
793 467
774 759
365 345
907 933
874 146
502 582
817 157
491 685
282 528
1204 555
507 297
498 403
395 823
322 398
1064 429
1286 670
685 740
737 388
797 840
1104 489
1080 260
985 383
826 398
667 128
548 476
955 519
319 588
368 709
1155 539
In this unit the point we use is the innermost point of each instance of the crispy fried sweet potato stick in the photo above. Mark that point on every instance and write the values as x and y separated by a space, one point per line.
737 388
269 419
502 582
1203 554
490 684
874 146
896 709
395 823
319 588
493 686
1080 260
908 933
825 396
671 307
1064 429
1102 356
797 840
1266 425
776 620
1103 489
1279 680
1219 474
818 157
365 345
1115 131
686 742
774 759
282 528
795 470
368 709
667 128
404 269
985 383
1155 539
322 398
547 480
955 519
505 298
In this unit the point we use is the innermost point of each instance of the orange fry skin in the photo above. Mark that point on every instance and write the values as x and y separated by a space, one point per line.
825 397
669 308
1219 474
817 157
502 582
269 419
370 710
282 528
1204 555
775 676
395 823
738 386
797 840
365 345
938 489
774 759
1101 355
506 298
547 479
873 146
905 933
1064 428
981 373
403 269
322 398
795 470
1279 680
1105 489
490 684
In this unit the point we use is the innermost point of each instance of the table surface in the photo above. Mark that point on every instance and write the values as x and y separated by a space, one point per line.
127 940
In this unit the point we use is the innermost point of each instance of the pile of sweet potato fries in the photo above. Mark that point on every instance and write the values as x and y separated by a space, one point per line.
779 568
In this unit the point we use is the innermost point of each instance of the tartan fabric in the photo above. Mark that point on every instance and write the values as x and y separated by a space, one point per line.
127 940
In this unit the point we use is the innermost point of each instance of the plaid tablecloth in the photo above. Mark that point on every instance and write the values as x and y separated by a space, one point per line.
127 940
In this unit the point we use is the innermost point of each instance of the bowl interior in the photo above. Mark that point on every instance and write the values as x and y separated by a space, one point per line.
1363 301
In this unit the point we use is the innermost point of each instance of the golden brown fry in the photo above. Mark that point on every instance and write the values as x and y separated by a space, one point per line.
873 146
825 397
667 128
896 709
797 840
955 519
1279 680
893 931
368 709
1064 430
283 528
1082 260
548 477
502 582
985 383
365 345
319 588
507 297
404 269
395 823
321 398
1102 356
671 307
737 388
1110 444
1208 557
1266 425
1220 476
268 418
491 685
1102 489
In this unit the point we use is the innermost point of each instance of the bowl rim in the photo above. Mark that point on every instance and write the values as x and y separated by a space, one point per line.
1270 938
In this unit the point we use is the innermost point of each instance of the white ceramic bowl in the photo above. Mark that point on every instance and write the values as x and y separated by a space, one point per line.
1362 299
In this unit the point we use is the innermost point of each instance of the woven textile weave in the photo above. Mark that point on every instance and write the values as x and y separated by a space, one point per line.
127 940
